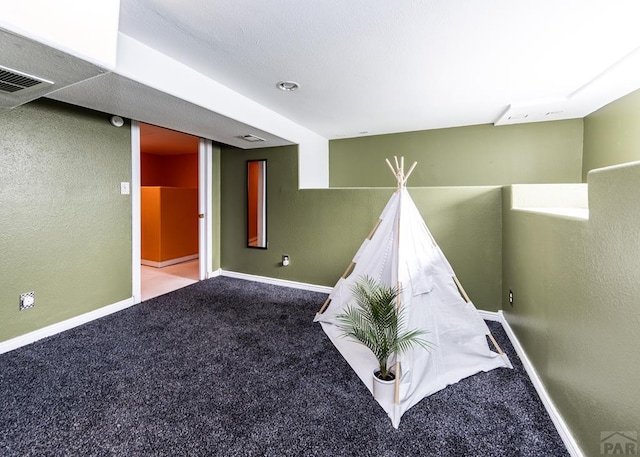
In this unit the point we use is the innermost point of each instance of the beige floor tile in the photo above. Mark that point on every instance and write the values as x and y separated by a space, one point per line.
159 281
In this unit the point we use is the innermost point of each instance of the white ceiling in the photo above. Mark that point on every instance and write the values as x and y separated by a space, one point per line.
365 67
392 66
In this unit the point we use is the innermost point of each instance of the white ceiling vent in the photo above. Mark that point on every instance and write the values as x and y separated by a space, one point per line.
538 111
14 85
252 138
28 70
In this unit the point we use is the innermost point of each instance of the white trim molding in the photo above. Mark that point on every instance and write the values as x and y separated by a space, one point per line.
54 329
490 315
277 282
205 210
567 438
136 218
166 263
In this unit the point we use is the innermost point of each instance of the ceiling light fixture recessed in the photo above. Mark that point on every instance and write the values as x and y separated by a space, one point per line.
252 138
288 85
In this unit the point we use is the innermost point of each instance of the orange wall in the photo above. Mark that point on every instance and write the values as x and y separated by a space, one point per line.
168 206
150 223
174 170
169 223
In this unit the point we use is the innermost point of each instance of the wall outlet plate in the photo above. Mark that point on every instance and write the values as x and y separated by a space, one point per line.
27 300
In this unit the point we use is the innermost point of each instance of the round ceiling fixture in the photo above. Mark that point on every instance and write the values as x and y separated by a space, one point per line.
116 121
288 85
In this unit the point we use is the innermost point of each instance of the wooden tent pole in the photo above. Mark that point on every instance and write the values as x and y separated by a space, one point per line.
396 395
406 178
466 298
396 399
369 236
324 306
495 343
461 290
373 230
390 167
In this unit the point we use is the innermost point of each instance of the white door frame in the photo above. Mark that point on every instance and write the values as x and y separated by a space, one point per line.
205 223
205 195
136 253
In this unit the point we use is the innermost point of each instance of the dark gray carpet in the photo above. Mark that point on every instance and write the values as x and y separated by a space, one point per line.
234 368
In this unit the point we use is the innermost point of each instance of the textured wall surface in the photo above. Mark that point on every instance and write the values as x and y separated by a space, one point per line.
65 230
322 229
612 134
575 311
543 152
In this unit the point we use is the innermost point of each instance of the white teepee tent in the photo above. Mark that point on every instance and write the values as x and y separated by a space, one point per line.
400 251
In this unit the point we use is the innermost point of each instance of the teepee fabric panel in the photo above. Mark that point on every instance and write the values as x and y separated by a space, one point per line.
403 252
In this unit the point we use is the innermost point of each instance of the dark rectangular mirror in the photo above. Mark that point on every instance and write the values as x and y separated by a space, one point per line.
257 204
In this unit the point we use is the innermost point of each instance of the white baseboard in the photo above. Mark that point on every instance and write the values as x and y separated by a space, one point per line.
214 273
278 282
490 315
50 330
556 418
166 263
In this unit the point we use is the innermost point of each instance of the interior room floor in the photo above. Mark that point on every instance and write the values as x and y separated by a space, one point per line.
235 368
159 281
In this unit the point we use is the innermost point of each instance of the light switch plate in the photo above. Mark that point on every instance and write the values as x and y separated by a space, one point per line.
125 188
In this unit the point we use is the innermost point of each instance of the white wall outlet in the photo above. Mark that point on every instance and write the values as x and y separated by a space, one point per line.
27 300
125 189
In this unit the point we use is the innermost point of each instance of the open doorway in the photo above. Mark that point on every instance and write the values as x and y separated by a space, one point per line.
169 181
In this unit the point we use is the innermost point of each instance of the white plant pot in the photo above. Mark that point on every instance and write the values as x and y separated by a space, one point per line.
383 391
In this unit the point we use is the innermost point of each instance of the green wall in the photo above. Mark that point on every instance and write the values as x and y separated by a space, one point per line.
542 152
575 312
576 287
612 134
65 230
322 229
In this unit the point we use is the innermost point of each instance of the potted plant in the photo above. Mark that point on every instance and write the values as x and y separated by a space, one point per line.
374 320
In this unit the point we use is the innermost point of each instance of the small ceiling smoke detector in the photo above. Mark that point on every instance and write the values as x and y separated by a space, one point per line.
251 138
116 121
288 85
